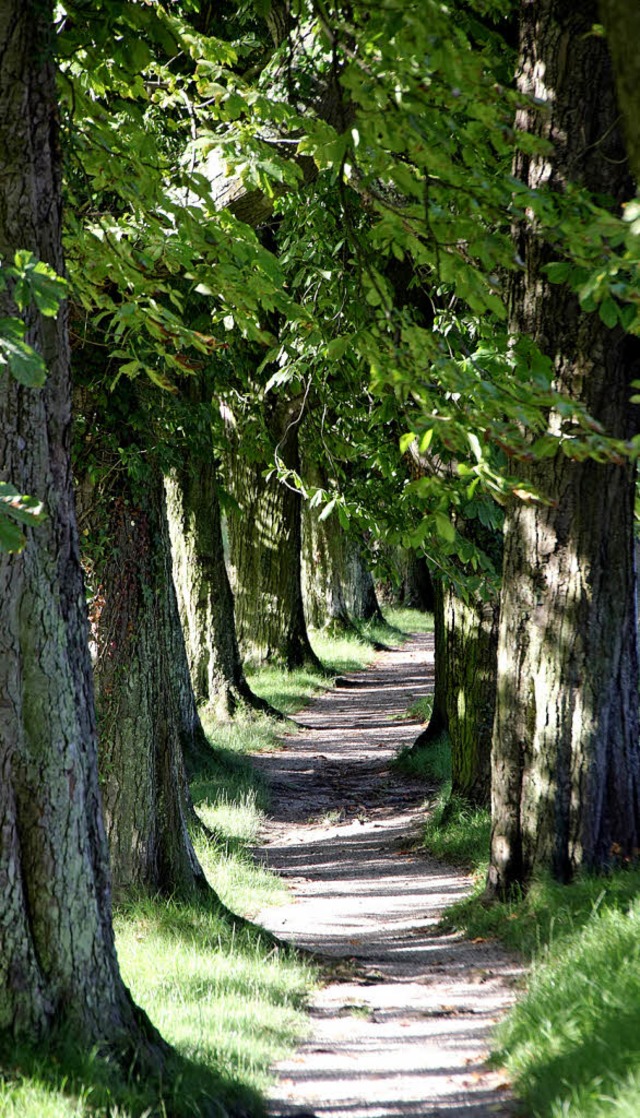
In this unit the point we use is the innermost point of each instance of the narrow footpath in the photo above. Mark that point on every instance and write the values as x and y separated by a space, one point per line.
404 1028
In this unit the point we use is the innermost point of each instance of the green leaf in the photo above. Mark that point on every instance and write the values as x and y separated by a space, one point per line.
608 311
337 347
48 289
18 506
26 365
15 507
11 538
328 509
425 441
444 527
37 281
558 272
406 440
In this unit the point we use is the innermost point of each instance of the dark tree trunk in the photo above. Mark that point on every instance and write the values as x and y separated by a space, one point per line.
360 591
417 587
439 721
204 593
265 555
466 638
58 967
146 709
566 766
471 645
622 24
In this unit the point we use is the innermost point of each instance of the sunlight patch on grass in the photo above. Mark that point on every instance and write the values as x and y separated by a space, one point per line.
457 832
220 996
573 1042
287 691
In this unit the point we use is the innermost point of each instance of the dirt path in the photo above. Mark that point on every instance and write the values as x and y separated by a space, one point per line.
405 1033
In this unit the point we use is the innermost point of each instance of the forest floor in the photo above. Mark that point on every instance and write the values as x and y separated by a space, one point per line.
402 1026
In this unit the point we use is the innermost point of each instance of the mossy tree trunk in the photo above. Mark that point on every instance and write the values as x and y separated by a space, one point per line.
58 966
360 592
622 25
471 644
323 564
466 639
265 553
204 593
147 716
566 761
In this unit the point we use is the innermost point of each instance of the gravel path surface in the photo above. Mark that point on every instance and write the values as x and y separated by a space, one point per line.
405 1027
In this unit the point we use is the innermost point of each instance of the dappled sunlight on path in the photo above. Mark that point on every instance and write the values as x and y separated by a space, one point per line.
405 1030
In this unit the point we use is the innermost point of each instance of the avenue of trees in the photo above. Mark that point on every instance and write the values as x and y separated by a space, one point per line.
288 287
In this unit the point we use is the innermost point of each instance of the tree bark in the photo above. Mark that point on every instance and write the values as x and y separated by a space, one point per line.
439 721
471 644
265 555
204 593
622 24
58 967
360 592
146 708
466 640
417 587
323 566
566 766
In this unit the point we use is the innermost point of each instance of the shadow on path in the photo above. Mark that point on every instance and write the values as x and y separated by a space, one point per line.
406 1033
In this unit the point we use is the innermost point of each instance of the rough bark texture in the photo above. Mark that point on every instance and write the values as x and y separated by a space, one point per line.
58 965
471 645
146 710
265 547
204 593
622 24
565 751
360 592
466 639
323 566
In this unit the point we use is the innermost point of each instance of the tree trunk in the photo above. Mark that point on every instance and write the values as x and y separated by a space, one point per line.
204 593
360 591
146 709
265 560
566 764
439 721
323 565
58 966
417 587
622 24
471 645
466 638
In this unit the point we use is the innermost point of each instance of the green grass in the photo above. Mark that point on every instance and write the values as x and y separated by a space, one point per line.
408 620
430 763
228 1001
289 691
572 1043
421 709
457 833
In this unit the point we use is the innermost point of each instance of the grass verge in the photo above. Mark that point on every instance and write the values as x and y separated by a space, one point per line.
572 1043
228 1002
